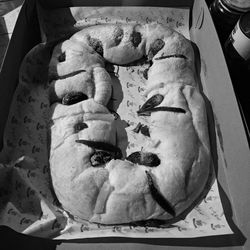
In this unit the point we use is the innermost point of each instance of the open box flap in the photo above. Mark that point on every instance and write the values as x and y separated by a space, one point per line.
233 170
25 35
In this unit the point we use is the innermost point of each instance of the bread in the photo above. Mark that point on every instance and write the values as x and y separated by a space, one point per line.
92 177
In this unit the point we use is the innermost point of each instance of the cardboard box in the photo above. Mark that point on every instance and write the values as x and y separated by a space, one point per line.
232 151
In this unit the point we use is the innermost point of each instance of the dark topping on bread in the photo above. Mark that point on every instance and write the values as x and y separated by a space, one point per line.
145 73
171 56
148 112
118 35
62 57
80 126
73 97
97 45
114 113
137 128
158 197
142 128
102 146
145 130
152 102
136 38
156 46
144 158
100 158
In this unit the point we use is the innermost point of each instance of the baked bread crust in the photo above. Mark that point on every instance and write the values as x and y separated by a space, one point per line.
118 190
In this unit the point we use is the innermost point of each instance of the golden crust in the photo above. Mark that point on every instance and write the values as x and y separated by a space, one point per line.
118 191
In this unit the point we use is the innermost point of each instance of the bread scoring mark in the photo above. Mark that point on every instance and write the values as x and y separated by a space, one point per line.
155 47
73 97
105 190
158 197
136 38
57 77
147 112
102 146
96 44
171 56
144 158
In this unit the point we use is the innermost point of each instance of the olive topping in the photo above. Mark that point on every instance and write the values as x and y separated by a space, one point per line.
73 97
80 126
96 44
152 102
144 129
62 57
156 46
144 158
145 73
136 38
118 36
100 158
137 128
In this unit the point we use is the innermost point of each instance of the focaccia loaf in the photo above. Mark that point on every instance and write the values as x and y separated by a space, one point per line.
92 176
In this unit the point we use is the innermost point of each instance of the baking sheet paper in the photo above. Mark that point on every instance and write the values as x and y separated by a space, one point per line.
27 204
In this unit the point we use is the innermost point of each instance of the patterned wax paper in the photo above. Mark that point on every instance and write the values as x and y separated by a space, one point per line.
27 202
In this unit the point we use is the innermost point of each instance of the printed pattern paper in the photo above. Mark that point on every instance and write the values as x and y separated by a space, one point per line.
27 202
